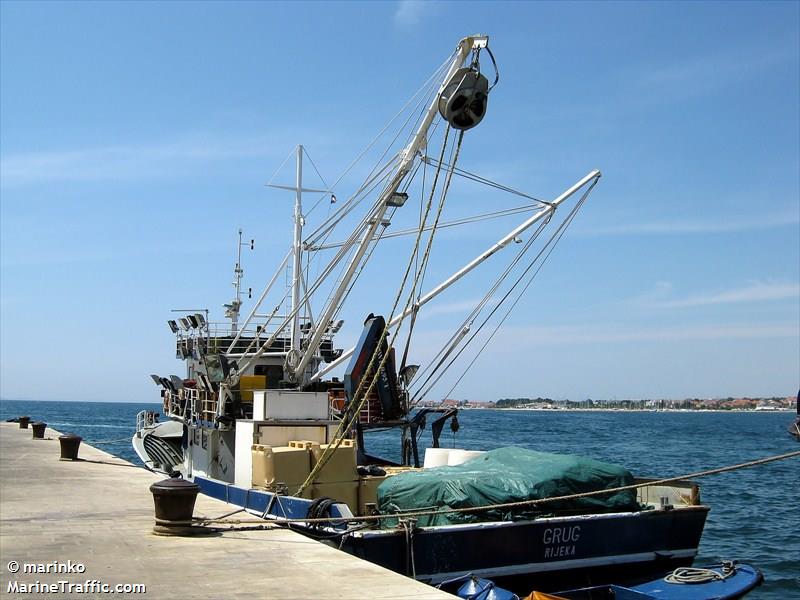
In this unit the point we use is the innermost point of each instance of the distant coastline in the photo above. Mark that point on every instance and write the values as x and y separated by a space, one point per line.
730 404
634 410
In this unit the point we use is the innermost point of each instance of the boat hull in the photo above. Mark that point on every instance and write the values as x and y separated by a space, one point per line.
545 552
159 446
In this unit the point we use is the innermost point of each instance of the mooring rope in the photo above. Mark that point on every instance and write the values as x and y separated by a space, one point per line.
119 441
521 503
694 575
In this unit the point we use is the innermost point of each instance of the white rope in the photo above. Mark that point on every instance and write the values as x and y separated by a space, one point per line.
695 575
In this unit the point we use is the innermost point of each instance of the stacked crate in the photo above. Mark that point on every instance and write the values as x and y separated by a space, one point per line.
338 479
280 469
368 492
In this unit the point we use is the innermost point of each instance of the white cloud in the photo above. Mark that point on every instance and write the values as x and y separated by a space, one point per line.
126 161
410 12
607 334
698 226
460 307
701 74
755 292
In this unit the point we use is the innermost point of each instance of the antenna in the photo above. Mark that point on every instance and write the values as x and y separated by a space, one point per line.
297 245
232 309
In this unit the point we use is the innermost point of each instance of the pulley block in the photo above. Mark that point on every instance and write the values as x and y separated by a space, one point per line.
463 101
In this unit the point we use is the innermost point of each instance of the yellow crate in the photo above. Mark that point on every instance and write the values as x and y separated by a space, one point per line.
368 491
340 466
343 491
252 382
274 465
304 444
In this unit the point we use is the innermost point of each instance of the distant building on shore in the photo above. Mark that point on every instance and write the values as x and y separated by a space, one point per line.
730 403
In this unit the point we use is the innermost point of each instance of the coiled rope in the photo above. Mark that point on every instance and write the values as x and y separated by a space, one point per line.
538 501
693 575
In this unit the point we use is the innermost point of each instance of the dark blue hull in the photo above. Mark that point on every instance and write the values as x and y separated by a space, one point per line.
547 552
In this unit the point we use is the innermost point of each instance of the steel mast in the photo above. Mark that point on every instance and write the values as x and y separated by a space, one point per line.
297 247
409 154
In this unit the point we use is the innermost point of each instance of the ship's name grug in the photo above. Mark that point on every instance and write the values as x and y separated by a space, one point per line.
560 541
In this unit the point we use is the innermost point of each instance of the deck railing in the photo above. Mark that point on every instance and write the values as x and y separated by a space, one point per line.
144 419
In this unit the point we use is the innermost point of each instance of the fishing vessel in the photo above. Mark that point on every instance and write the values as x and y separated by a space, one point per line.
259 419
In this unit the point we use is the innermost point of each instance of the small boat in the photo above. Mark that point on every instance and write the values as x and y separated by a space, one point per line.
725 581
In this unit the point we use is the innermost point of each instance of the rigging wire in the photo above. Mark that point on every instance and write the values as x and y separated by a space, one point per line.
557 236
421 225
322 179
425 86
343 251
373 247
365 221
549 247
466 325
456 222
422 269
278 170
354 238
485 181
326 230
327 227
356 404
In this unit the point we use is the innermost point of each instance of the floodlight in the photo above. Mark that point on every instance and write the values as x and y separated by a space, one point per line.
173 325
397 199
407 373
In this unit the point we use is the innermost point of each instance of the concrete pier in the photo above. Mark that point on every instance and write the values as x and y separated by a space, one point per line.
94 518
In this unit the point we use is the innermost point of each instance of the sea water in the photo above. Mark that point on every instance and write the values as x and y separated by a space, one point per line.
754 512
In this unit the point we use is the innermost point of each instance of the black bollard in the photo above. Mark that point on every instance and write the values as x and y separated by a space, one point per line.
38 430
174 503
69 446
23 422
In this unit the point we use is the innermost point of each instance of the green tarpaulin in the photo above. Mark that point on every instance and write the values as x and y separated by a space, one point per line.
502 476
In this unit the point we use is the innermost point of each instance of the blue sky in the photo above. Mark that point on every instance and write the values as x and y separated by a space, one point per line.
136 138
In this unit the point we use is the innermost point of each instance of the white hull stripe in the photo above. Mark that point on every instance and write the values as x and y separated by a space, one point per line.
578 563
